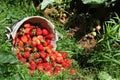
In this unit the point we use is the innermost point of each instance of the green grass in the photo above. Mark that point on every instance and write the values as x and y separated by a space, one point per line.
96 65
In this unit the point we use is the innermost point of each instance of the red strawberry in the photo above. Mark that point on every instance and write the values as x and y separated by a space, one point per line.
34 49
40 47
65 65
27 25
39 62
53 57
32 65
32 31
50 46
27 54
48 41
58 54
27 30
20 48
34 44
53 63
48 50
44 43
22 59
72 71
49 36
40 37
47 66
57 69
64 54
24 39
68 61
42 54
40 67
19 42
44 32
34 38
59 59
28 36
38 31
19 55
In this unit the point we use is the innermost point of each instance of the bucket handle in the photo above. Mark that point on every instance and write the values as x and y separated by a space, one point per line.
8 33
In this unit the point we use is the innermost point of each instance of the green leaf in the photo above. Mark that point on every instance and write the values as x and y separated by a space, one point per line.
6 57
45 3
104 76
94 1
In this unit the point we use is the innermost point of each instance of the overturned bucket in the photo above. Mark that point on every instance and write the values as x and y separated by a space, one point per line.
35 19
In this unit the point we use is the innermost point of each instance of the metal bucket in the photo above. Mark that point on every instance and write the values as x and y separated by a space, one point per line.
35 19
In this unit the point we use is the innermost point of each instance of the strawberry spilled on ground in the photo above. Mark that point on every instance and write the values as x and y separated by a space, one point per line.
34 49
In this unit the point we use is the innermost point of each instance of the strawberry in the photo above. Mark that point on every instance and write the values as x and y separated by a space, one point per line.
34 49
39 62
44 32
27 54
20 48
98 27
37 55
44 43
32 65
48 41
31 72
40 37
48 50
19 42
34 44
40 67
64 54
57 69
72 71
31 58
68 61
19 55
22 59
27 30
49 36
53 63
27 25
59 59
47 66
53 57
65 65
28 48
28 36
40 47
50 46
50 73
58 54
34 38
24 39
42 54
32 31
38 31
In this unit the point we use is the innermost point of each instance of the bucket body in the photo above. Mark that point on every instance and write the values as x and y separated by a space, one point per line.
35 19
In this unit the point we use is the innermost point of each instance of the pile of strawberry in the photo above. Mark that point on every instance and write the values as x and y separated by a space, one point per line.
33 48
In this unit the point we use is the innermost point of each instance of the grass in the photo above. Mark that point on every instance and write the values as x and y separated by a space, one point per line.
96 65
